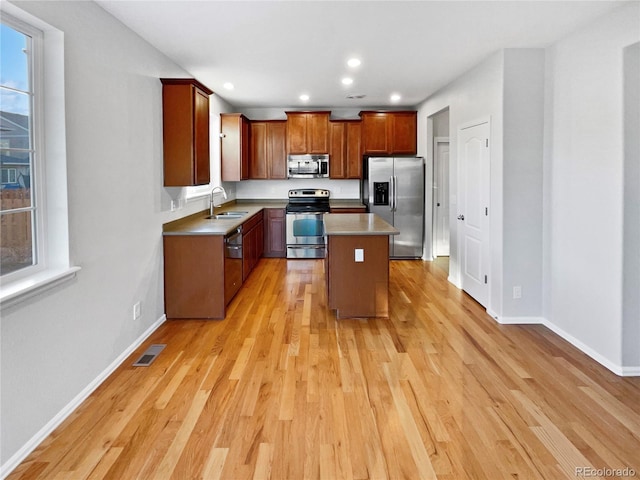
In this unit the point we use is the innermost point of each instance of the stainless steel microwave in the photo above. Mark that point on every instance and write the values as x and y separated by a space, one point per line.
308 166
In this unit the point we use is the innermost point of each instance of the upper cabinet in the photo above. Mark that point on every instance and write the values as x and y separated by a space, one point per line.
345 153
268 158
185 122
235 146
307 132
389 133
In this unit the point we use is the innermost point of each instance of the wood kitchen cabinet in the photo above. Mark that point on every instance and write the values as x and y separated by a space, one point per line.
275 239
345 153
194 285
185 132
252 243
307 132
389 133
234 147
268 159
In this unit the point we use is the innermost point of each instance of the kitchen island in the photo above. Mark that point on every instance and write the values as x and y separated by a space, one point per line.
357 264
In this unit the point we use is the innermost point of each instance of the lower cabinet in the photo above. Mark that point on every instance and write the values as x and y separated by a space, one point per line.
194 280
200 279
275 236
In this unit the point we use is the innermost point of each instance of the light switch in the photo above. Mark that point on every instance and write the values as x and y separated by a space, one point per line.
359 254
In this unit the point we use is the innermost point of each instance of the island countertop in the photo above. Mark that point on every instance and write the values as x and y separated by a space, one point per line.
357 224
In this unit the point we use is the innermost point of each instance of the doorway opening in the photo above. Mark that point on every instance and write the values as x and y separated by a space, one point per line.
439 143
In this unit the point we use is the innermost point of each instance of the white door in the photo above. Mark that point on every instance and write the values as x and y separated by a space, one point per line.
441 196
473 210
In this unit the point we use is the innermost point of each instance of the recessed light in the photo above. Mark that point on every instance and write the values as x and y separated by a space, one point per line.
347 81
395 97
353 62
228 86
304 97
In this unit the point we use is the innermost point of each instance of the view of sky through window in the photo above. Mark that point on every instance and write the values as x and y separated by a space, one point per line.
14 71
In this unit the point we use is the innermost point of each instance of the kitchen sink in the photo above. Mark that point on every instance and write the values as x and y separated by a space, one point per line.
228 215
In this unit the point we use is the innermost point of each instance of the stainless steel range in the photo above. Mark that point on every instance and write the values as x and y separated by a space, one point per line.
305 228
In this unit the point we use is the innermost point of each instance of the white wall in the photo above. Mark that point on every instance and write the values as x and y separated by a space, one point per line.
631 235
55 345
475 95
584 185
523 110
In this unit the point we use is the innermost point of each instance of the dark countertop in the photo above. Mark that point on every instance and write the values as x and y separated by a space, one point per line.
199 224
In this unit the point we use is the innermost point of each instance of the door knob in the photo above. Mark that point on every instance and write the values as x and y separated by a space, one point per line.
460 217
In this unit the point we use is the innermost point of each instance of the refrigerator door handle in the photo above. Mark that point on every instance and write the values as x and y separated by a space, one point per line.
395 193
392 193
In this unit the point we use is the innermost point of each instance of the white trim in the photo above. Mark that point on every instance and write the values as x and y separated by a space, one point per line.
434 147
50 174
454 281
62 415
584 348
631 371
518 320
20 290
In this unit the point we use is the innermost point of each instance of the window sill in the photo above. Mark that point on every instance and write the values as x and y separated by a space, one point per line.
20 290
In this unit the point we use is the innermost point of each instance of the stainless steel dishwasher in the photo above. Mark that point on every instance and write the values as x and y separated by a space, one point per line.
232 264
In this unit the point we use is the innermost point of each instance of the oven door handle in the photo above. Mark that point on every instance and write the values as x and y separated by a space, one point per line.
305 247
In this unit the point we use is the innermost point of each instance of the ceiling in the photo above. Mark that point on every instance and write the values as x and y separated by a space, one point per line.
274 51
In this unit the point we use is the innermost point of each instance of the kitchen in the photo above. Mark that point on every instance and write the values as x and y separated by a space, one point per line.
308 145
113 188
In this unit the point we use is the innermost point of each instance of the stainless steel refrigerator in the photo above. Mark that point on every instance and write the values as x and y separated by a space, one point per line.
393 188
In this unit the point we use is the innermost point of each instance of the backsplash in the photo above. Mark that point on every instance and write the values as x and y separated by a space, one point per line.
278 189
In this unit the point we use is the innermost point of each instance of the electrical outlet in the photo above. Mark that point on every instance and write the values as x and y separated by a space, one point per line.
517 292
174 205
136 311
359 255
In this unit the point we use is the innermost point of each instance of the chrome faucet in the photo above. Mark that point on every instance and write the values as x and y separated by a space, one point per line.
216 189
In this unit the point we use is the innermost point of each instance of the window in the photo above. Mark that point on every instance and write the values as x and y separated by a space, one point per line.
34 239
19 211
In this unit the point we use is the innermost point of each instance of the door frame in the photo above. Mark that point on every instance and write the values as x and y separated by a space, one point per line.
436 142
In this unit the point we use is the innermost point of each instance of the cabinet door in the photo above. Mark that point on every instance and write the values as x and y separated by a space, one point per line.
277 149
353 157
194 276
318 132
376 133
275 240
259 241
185 122
248 252
404 133
201 140
296 133
338 149
234 147
258 158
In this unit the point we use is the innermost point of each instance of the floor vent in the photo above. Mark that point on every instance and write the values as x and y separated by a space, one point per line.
149 355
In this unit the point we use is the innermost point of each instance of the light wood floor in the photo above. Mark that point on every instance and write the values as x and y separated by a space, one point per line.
281 390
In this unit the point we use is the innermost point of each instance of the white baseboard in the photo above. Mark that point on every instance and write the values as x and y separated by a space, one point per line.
631 371
605 362
519 320
619 370
45 431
